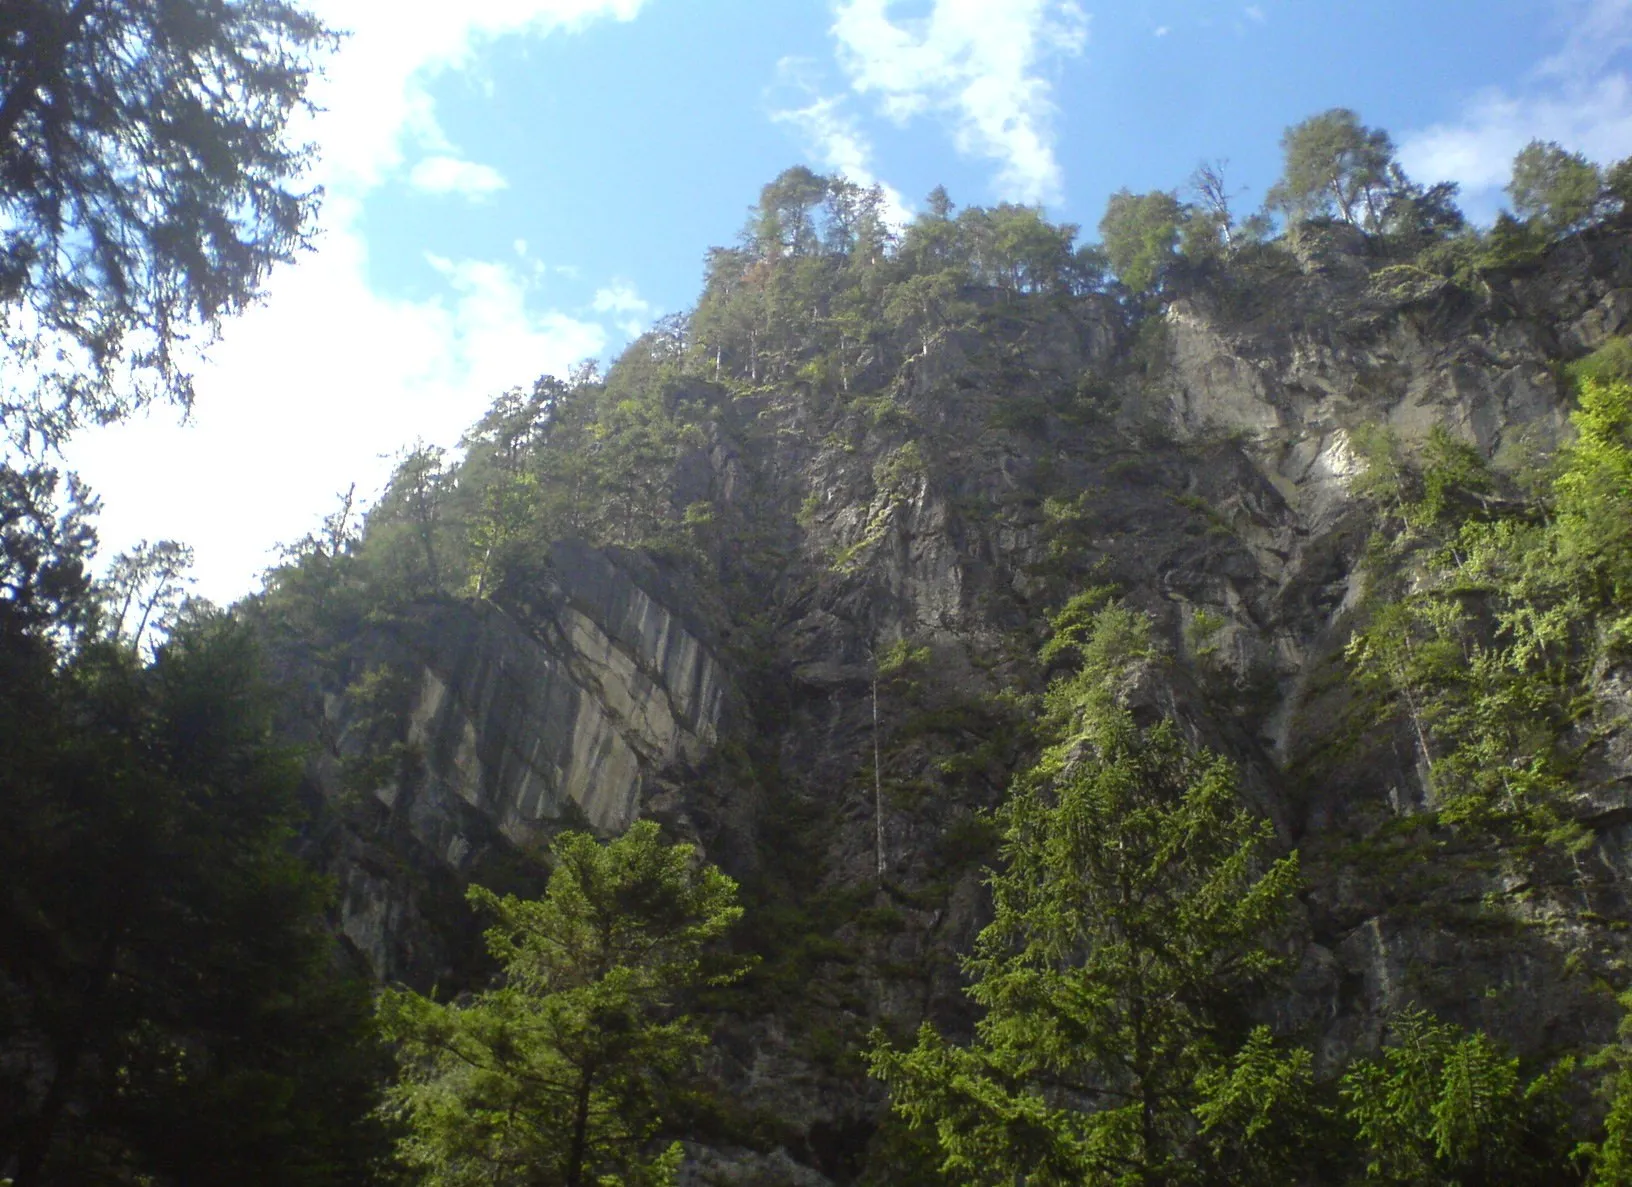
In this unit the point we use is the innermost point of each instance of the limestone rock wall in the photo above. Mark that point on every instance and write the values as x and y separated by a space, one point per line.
513 723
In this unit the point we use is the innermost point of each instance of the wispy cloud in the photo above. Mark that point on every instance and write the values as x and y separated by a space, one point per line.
375 96
1255 13
1595 32
1161 31
451 175
1576 95
622 300
831 133
980 63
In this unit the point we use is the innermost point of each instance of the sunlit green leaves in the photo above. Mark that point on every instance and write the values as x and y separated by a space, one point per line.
562 1073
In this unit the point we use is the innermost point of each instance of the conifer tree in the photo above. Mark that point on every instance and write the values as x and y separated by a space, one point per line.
1138 901
147 184
172 1010
560 1075
1445 1108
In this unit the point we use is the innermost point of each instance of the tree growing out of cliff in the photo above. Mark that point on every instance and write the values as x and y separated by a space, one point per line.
1138 902
561 1075
1556 189
1496 687
1140 233
1335 164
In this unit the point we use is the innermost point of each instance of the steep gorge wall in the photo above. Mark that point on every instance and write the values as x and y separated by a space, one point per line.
510 722
1202 462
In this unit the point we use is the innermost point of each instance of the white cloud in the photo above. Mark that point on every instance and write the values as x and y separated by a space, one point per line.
1573 96
833 137
977 61
1595 31
1162 31
316 386
450 175
622 299
1255 12
374 93
310 391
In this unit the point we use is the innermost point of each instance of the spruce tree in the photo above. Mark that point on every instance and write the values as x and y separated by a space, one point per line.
1137 904
560 1076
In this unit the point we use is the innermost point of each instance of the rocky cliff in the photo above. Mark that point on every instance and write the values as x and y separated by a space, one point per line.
825 685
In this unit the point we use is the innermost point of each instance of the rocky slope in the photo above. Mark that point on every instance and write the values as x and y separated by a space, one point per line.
876 568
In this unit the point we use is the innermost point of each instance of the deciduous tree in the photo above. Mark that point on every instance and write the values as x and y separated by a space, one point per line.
1559 189
1333 163
1140 232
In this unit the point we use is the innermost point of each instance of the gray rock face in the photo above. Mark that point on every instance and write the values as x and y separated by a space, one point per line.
986 481
513 723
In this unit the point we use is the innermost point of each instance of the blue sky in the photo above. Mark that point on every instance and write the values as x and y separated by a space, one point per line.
515 185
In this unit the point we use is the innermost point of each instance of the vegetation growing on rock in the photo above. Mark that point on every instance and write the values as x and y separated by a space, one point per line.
1292 848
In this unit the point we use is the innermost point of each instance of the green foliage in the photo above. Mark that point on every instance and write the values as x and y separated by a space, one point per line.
1610 363
1135 906
1443 1107
173 1008
1259 1113
148 184
1610 1159
928 304
1557 190
1201 632
1618 184
1140 233
1078 625
901 469
1490 652
1512 244
565 1072
901 658
1334 164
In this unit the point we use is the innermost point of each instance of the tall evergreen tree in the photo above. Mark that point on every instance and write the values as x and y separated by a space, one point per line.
170 1005
1137 903
147 183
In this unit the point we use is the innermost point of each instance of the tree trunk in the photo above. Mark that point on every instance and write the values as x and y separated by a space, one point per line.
35 1147
580 1132
878 784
